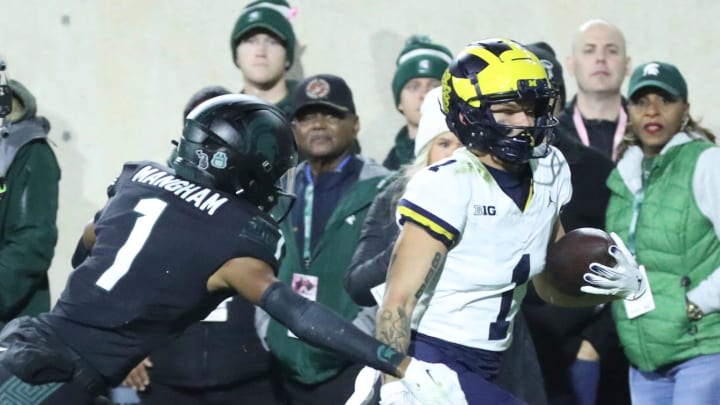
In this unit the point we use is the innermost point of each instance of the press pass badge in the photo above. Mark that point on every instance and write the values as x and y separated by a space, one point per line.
305 285
642 305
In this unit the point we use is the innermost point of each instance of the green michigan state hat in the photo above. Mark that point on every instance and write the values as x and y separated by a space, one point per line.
419 58
658 74
271 15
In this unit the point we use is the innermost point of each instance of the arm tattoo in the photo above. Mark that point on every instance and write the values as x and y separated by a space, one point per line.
393 325
435 268
394 329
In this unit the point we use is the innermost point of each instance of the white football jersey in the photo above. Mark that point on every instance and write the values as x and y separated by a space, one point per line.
494 246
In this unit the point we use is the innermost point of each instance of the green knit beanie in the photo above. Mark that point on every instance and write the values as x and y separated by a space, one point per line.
419 58
271 15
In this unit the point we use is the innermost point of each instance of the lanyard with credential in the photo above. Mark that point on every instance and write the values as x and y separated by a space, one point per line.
637 203
619 130
307 215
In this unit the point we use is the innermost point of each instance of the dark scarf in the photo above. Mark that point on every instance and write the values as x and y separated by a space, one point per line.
403 152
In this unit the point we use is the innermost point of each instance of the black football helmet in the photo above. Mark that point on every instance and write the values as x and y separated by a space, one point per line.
238 144
497 71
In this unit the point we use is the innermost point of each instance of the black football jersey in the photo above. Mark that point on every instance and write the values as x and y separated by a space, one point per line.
158 240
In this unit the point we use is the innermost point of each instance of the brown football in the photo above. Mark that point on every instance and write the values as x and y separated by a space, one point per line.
569 258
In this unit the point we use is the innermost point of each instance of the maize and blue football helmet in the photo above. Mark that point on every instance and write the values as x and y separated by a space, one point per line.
497 71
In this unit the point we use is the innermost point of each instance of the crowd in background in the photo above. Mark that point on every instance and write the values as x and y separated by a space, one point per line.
641 167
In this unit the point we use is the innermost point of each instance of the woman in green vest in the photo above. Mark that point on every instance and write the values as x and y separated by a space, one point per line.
665 194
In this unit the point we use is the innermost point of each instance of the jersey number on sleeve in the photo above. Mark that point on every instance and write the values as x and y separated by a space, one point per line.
150 210
521 273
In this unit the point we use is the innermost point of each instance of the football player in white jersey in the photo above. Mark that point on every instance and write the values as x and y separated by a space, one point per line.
476 226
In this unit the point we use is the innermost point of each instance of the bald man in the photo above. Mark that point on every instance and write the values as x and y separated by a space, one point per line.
599 64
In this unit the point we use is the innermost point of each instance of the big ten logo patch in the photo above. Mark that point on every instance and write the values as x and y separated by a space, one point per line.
484 210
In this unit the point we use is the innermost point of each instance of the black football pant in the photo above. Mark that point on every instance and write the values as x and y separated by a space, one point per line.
14 391
50 371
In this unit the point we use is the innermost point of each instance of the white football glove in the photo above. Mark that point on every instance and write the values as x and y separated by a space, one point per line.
625 280
433 383
396 393
364 387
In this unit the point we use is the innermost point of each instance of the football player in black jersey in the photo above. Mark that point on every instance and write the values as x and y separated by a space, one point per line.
166 249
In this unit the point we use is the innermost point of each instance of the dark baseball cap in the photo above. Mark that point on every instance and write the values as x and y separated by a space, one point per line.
547 57
323 90
658 74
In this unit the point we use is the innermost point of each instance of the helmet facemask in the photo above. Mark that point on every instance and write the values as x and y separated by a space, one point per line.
478 129
495 72
266 195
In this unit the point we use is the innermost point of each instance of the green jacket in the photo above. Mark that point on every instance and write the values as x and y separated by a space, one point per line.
329 262
27 219
674 241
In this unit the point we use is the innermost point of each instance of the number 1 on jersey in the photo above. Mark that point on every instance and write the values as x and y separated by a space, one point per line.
150 210
521 273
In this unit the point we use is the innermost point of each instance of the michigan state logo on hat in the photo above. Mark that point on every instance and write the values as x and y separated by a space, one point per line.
652 69
253 16
661 75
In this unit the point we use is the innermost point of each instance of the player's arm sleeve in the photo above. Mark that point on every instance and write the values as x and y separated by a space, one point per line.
368 267
436 199
318 325
706 190
30 231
